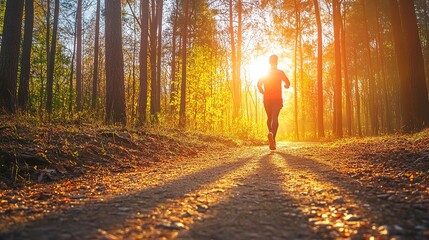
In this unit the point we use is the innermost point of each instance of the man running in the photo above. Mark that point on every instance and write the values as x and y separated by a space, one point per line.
271 87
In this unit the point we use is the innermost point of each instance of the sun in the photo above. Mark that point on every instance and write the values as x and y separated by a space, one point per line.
257 68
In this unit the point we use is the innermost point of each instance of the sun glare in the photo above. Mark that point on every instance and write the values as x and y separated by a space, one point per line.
259 66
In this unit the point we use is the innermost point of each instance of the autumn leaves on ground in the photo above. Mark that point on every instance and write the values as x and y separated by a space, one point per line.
69 182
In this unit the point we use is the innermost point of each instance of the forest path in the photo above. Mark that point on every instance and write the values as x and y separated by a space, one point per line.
245 193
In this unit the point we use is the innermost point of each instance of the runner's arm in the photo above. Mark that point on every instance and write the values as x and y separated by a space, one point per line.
286 80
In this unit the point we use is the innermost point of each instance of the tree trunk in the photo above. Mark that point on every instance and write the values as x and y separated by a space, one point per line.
9 54
142 106
338 82
173 84
380 45
96 56
295 90
51 60
72 72
303 87
115 89
159 56
237 87
358 117
153 43
417 78
346 77
182 114
320 127
373 104
79 56
48 32
24 80
403 66
233 61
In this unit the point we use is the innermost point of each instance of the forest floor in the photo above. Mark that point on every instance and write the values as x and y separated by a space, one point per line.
122 184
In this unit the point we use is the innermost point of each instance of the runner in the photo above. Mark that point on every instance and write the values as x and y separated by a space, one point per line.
271 87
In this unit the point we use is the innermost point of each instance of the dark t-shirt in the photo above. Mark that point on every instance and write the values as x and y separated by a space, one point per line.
272 84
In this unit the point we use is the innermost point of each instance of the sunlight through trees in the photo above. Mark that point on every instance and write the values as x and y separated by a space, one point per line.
358 67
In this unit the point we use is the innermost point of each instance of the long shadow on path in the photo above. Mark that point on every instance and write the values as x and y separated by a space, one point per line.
257 209
84 221
399 217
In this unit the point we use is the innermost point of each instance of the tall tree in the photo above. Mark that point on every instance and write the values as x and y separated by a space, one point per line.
79 56
382 57
24 80
173 84
182 113
142 106
159 15
320 127
347 86
9 54
373 103
237 88
402 66
51 60
233 62
358 118
48 35
72 71
153 47
115 88
417 78
338 82
96 56
295 82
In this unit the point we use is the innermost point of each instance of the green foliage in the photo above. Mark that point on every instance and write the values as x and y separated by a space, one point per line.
2 9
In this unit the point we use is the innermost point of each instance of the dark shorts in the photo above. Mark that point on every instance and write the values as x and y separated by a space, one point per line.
273 104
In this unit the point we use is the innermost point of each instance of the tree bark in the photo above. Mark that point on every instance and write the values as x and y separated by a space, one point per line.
373 104
96 56
51 60
9 54
238 65
153 43
320 127
233 61
417 78
386 96
173 84
79 56
142 106
338 81
295 85
159 56
24 80
115 89
403 66
72 72
182 113
358 117
346 76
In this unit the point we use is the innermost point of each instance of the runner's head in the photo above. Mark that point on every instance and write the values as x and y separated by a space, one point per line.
274 60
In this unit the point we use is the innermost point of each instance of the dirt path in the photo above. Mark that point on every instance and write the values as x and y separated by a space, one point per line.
246 193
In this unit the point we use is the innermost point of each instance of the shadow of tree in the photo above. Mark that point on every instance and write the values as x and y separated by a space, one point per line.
84 221
259 209
378 211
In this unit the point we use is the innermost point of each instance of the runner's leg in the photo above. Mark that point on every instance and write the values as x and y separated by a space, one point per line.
268 110
276 107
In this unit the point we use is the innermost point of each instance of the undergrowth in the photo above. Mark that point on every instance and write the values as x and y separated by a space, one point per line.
35 151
